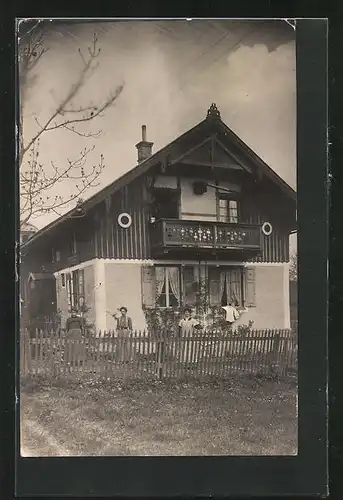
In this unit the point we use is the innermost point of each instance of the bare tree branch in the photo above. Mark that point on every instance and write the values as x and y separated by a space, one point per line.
36 183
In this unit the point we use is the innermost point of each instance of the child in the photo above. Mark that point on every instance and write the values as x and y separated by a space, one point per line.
186 327
231 314
187 324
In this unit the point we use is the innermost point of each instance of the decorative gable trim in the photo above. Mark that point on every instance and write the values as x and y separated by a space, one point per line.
212 153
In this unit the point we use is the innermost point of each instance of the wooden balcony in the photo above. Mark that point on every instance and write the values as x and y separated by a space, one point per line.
170 235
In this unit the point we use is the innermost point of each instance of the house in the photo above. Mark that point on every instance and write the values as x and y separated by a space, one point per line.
27 230
203 211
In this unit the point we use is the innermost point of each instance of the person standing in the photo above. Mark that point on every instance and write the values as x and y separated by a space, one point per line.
124 328
231 314
75 351
187 325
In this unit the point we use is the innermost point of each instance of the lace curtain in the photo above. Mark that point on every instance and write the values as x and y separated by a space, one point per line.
172 276
160 277
230 285
174 282
234 286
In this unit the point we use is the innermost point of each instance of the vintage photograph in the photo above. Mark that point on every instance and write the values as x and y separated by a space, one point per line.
158 237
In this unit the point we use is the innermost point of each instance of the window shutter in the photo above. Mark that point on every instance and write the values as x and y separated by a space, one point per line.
214 286
190 286
59 284
81 284
250 286
148 286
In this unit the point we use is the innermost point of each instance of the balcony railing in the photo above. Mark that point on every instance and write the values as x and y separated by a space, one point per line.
174 233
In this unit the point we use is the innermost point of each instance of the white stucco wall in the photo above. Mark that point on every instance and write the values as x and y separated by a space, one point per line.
123 288
200 207
272 308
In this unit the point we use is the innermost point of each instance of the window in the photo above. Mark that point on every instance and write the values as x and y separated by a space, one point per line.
169 286
225 286
173 286
166 203
168 289
227 209
56 256
70 292
75 288
73 245
63 279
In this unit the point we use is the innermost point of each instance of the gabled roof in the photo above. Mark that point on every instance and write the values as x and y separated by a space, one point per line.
211 124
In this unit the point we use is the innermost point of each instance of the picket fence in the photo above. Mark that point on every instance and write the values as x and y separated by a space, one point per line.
139 354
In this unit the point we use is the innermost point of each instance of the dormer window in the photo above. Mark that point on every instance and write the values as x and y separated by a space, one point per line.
228 208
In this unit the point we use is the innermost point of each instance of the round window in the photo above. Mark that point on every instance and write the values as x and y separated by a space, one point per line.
124 220
267 228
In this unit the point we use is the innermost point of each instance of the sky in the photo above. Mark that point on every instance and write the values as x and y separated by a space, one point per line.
172 70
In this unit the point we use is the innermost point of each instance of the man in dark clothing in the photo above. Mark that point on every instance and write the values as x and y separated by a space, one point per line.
75 350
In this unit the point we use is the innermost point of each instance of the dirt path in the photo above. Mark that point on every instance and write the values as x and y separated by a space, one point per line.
37 441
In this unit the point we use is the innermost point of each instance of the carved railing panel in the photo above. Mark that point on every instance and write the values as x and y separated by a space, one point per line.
195 234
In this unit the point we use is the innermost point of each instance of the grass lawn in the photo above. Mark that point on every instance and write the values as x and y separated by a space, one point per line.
238 417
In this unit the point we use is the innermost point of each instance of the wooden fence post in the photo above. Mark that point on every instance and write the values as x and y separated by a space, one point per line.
209 353
25 352
160 347
274 365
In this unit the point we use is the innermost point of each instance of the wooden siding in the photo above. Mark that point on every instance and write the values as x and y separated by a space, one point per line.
39 257
257 209
113 241
99 234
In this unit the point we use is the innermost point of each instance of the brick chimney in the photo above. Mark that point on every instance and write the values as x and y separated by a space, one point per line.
144 147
